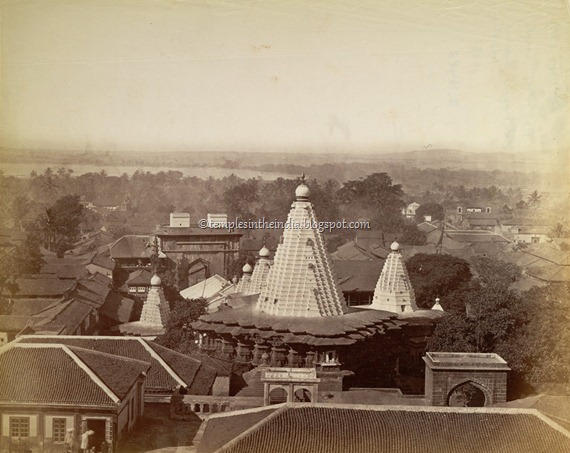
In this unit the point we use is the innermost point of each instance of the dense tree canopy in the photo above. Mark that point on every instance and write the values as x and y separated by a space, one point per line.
58 225
376 194
442 276
179 334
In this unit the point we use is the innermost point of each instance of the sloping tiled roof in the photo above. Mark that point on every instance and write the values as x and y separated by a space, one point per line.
132 246
220 431
199 376
118 308
473 236
43 287
11 323
139 277
392 429
357 275
58 375
168 368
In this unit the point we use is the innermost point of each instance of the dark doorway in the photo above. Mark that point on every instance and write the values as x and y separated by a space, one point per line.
466 395
98 427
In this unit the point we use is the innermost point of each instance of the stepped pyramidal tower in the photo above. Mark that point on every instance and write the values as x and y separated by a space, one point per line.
260 271
244 284
154 315
394 291
155 308
301 282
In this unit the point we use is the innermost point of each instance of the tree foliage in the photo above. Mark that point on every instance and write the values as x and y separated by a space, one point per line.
58 225
530 331
179 334
442 276
378 194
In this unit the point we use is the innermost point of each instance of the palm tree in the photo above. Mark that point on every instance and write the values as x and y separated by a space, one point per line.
534 199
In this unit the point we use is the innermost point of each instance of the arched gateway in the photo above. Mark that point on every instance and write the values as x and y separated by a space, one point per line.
465 379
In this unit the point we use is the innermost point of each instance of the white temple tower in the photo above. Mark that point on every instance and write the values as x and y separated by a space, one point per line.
155 309
394 291
244 284
301 282
260 272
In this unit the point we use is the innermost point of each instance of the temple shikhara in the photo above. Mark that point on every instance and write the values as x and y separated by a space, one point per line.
300 317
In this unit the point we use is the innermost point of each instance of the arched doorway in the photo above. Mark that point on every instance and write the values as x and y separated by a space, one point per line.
198 271
467 394
302 396
277 396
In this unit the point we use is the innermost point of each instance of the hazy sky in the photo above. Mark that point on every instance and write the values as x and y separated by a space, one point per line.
298 75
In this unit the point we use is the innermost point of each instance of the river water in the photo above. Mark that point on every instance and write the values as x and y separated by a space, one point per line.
23 170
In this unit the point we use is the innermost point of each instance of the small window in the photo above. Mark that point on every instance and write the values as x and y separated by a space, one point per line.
141 289
20 426
132 289
403 307
58 429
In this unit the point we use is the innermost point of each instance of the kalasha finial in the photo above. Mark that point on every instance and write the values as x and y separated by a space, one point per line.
303 177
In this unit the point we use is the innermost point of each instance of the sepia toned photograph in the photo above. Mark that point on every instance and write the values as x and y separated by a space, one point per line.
245 226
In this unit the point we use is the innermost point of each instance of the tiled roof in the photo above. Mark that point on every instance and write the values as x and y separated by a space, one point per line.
118 308
42 287
168 369
201 377
298 428
356 275
64 375
473 236
132 246
219 431
69 313
139 277
195 231
103 261
11 323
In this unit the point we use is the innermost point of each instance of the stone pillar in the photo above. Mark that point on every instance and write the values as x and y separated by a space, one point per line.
258 350
294 359
228 350
310 359
278 356
243 352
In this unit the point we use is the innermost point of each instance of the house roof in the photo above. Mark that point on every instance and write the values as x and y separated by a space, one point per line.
42 287
476 221
13 324
168 368
292 428
118 308
195 231
352 251
139 277
64 375
357 275
473 236
132 246
205 289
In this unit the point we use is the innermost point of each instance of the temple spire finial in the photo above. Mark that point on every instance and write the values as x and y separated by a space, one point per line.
303 177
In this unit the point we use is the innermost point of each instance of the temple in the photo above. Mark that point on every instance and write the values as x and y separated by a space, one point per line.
300 318
154 315
393 291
